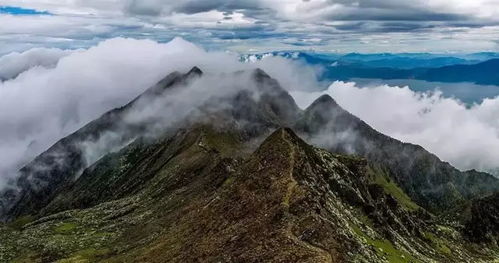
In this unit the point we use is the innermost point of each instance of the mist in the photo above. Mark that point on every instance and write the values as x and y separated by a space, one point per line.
15 63
48 99
466 137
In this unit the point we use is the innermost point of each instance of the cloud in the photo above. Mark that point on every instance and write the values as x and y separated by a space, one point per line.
44 104
416 25
50 101
15 63
467 137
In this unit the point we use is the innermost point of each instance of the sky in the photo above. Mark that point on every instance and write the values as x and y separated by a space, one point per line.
339 26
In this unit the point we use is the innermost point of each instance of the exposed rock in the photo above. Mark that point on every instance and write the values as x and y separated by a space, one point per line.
484 223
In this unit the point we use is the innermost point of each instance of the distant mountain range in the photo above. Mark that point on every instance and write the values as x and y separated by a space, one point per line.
240 178
478 68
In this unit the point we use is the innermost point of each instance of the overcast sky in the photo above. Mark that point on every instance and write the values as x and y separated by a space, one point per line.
257 25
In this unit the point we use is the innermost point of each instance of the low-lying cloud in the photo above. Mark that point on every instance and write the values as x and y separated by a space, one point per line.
57 95
467 137
15 63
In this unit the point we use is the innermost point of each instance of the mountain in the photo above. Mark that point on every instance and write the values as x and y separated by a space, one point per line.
381 60
483 223
224 182
433 184
484 73
63 162
406 60
478 69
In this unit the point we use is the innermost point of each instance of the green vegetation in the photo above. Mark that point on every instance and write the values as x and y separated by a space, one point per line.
438 243
65 228
385 248
392 188
229 181
198 197
86 255
27 258
19 223
226 142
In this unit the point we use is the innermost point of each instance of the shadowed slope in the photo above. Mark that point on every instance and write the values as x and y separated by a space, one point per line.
40 179
433 184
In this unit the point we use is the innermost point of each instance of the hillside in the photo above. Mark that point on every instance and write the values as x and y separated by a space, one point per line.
286 201
224 182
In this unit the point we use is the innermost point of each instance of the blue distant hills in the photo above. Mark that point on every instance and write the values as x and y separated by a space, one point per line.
479 68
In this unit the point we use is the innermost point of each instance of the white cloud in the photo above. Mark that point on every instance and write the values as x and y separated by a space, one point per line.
16 63
468 138
42 105
388 26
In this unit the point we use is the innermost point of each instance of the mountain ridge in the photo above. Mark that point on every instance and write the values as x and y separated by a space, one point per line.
231 178
478 70
277 108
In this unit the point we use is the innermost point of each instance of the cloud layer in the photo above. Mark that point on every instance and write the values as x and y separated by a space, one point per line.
67 89
15 63
344 26
57 92
468 138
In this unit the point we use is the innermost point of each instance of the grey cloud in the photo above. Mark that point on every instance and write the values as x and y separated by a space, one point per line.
157 7
240 25
144 7
377 14
191 7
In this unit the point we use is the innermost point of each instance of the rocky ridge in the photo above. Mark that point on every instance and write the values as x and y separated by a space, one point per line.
243 189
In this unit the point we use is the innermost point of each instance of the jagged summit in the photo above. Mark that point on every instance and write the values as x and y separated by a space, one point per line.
260 74
323 101
195 71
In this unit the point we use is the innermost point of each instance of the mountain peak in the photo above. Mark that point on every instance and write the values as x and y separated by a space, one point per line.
281 141
283 133
323 101
195 71
260 74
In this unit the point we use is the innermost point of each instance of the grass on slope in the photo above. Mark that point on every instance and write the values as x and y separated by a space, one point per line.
392 188
438 243
385 248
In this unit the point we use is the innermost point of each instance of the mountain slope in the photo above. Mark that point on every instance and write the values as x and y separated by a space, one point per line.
214 177
41 179
285 202
433 184
64 161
